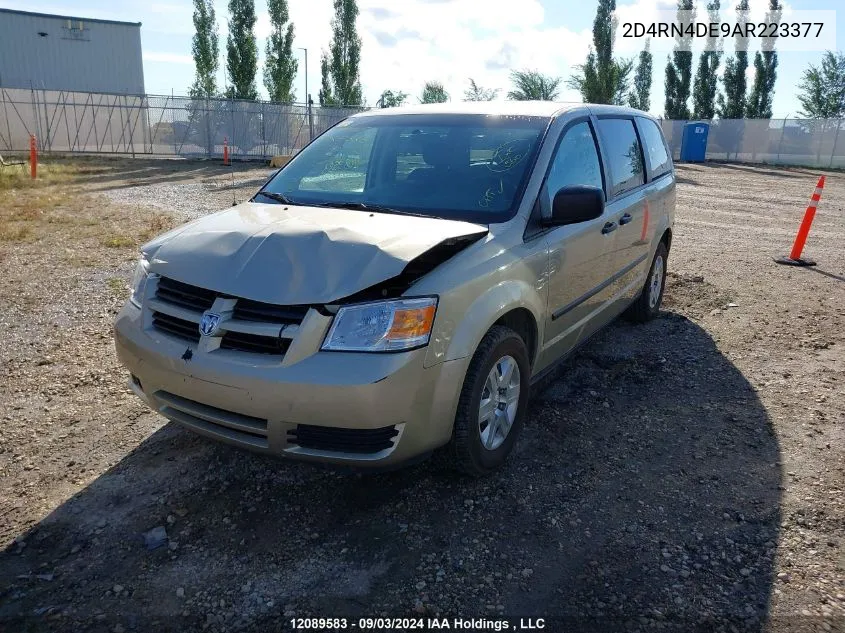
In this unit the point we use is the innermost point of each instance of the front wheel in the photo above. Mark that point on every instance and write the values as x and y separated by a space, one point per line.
493 402
647 305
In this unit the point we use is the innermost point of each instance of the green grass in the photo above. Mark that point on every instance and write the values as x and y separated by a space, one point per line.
118 241
116 285
15 232
18 176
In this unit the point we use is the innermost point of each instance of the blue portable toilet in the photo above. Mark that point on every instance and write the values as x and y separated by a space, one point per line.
694 141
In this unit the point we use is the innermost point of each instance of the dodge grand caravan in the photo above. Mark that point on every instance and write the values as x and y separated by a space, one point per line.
399 285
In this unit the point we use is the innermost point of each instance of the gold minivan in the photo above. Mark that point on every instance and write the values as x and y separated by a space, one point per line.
399 285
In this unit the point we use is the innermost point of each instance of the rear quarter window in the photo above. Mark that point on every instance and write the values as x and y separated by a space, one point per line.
655 147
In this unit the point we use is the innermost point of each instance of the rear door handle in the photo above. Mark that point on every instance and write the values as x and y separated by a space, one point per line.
609 227
625 219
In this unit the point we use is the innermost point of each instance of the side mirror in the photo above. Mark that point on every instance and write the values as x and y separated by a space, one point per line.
576 204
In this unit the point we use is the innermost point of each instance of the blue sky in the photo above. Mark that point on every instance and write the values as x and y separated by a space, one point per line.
406 42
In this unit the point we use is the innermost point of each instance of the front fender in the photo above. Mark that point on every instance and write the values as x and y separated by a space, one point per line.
461 331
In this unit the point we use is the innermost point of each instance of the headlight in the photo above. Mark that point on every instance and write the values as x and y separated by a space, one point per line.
384 326
139 282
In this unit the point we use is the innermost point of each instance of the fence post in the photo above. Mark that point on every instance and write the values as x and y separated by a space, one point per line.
310 119
209 142
35 120
821 140
46 143
232 118
835 139
780 143
6 115
263 132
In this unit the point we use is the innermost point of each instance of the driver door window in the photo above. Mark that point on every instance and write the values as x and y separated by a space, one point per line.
576 161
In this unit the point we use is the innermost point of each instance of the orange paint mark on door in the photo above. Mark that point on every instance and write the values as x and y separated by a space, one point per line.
645 222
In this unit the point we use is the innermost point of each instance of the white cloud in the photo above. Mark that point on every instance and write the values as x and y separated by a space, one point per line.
407 44
160 7
167 58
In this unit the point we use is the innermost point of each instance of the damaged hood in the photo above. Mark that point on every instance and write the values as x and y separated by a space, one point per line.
289 255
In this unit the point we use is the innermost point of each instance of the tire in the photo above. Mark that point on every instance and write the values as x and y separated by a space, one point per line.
647 305
468 451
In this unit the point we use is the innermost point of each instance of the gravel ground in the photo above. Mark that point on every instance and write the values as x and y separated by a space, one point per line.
684 475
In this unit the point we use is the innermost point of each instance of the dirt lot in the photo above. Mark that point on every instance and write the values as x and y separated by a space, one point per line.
684 475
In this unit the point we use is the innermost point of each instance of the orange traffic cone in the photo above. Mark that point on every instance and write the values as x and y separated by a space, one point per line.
33 157
225 150
794 258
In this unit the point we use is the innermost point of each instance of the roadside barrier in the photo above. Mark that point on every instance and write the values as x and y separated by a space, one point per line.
794 257
33 157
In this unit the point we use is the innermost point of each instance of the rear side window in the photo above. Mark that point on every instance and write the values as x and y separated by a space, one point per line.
623 154
658 158
576 161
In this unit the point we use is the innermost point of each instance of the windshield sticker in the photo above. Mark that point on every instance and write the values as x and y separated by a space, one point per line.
508 155
491 194
343 163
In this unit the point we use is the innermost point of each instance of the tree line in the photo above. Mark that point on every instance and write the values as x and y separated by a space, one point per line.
606 79
602 78
339 65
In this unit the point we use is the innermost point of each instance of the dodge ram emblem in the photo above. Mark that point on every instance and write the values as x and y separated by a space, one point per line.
209 324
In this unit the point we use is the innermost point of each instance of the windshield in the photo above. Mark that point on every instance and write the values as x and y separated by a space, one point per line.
461 167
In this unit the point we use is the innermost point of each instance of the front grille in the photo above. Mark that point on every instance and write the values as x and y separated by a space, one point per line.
249 310
214 421
175 326
325 438
184 295
190 302
244 342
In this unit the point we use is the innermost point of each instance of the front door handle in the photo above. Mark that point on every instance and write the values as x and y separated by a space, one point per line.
625 219
609 227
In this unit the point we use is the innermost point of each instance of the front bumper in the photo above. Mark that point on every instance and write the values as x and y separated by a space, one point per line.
258 404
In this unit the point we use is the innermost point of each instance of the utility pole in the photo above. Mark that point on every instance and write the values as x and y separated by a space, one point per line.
308 101
306 71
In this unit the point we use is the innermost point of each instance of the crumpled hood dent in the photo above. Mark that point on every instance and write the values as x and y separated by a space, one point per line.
291 255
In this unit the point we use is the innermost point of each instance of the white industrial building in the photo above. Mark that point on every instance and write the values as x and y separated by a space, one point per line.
57 52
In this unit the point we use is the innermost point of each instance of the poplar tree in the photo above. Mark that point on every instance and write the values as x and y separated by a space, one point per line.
759 104
205 49
341 82
325 95
679 69
242 50
732 99
640 97
602 79
280 65
706 77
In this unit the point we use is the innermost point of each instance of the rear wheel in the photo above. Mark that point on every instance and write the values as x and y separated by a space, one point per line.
647 305
493 401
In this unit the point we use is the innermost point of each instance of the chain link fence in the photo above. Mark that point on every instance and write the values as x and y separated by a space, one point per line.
155 125
807 142
160 125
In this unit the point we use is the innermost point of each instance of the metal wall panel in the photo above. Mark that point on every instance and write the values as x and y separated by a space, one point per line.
54 53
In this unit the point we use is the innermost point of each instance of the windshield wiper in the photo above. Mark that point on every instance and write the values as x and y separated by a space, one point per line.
278 197
367 206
